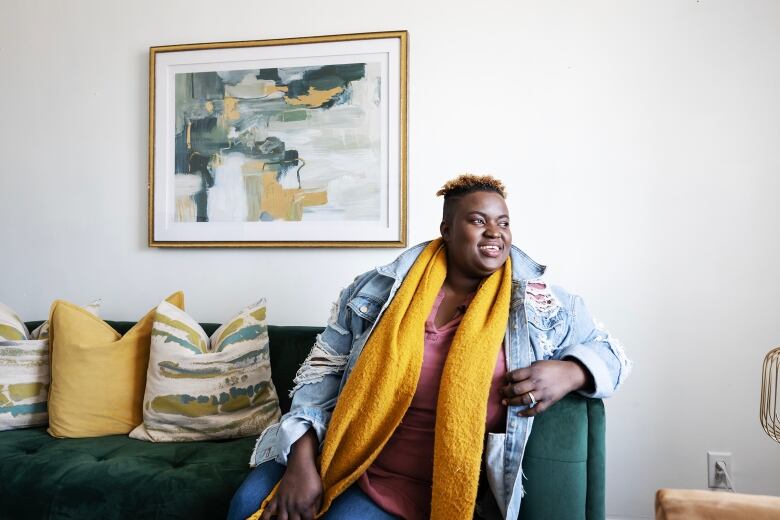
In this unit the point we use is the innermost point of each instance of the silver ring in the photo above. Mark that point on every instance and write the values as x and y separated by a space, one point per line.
533 401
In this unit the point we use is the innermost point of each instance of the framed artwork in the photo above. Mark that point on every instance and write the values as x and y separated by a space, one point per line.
297 142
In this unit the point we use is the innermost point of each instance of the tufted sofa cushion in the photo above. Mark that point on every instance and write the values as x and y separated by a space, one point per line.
117 477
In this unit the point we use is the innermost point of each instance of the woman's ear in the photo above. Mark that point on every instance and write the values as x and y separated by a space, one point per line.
444 229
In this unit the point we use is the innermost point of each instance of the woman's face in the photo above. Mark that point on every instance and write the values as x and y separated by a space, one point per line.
477 235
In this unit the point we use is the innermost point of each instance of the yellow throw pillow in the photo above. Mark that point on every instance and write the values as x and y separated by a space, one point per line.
98 376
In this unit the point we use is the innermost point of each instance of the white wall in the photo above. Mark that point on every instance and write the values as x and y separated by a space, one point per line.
639 141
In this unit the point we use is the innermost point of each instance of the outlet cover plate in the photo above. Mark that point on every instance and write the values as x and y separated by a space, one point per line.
715 481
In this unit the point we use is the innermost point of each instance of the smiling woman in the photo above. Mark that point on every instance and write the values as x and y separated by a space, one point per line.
446 370
475 230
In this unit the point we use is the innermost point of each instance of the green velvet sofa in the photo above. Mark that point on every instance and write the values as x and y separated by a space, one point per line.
115 477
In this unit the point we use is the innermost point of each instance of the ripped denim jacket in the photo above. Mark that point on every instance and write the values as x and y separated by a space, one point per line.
545 322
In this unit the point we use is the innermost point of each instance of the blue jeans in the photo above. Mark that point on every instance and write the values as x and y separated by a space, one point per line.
350 505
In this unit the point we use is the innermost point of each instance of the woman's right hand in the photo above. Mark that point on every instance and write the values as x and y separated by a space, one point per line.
299 495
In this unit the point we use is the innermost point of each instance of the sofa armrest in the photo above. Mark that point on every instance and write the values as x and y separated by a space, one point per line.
564 462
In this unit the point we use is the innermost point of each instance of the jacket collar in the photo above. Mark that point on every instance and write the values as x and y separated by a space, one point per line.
523 268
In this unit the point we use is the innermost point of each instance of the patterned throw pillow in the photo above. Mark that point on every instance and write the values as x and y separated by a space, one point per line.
24 371
199 388
12 328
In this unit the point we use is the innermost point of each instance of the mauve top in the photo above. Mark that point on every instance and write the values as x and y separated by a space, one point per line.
400 479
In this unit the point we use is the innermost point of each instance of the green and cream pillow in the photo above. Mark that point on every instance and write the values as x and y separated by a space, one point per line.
201 388
24 371
12 328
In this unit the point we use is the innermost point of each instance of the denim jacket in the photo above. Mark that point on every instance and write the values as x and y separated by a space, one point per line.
545 322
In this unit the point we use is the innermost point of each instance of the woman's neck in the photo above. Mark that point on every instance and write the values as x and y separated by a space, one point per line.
459 284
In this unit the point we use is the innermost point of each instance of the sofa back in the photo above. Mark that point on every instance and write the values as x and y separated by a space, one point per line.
289 348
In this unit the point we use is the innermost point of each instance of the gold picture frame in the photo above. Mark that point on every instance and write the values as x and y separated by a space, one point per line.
293 142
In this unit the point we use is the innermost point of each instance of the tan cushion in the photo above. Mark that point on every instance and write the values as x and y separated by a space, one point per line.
97 375
696 504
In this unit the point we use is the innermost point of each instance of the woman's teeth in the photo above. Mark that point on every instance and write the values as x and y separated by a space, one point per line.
491 250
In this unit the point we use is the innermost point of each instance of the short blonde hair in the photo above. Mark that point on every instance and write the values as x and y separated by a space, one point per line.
468 183
464 184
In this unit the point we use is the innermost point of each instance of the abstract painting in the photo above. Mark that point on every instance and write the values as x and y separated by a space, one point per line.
295 142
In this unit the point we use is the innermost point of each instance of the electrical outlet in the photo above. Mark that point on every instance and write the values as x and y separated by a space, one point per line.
716 479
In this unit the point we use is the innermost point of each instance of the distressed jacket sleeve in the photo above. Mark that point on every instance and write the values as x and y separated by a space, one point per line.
318 380
601 353
316 387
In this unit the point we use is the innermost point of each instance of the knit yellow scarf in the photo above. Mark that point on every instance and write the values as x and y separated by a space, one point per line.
384 379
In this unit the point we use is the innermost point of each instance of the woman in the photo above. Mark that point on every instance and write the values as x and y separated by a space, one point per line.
429 367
